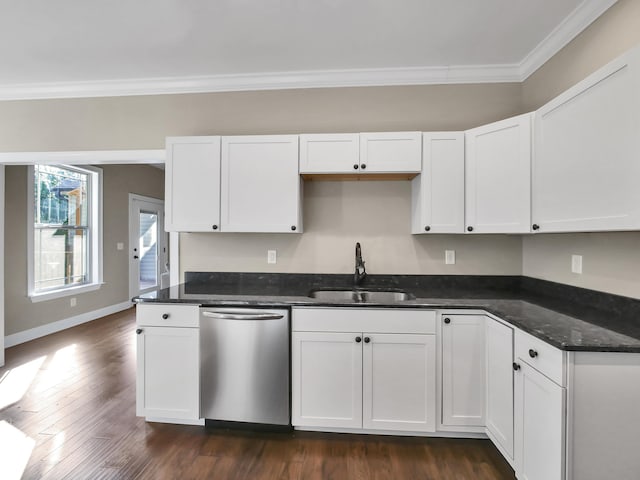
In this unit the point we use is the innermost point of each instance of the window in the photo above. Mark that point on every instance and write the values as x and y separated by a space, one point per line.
65 254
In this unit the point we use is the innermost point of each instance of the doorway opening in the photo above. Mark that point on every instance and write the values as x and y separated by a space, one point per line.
148 245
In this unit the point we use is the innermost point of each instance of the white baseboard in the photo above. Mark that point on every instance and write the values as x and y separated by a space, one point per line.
49 328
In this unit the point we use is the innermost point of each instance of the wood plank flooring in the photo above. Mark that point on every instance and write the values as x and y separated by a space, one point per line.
67 404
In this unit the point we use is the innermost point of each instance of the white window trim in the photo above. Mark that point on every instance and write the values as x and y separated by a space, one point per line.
96 241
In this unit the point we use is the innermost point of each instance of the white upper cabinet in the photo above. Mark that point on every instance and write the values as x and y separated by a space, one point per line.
391 152
330 153
340 153
498 176
586 170
437 203
192 184
260 185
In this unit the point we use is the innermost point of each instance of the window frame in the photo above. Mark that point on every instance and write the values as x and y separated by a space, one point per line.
95 246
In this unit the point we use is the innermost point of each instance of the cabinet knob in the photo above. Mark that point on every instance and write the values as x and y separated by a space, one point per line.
215 227
363 166
136 257
367 339
516 366
533 353
447 321
165 316
469 229
358 339
139 331
427 228
356 166
535 226
293 228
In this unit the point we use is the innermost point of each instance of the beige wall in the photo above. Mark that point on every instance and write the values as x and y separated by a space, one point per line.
144 121
615 32
611 260
336 216
118 180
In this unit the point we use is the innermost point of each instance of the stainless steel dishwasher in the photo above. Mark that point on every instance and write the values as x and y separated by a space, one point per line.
244 355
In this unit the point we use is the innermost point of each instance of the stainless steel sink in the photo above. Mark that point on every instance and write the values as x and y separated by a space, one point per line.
361 296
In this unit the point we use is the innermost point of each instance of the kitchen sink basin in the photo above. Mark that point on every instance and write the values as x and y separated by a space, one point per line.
362 296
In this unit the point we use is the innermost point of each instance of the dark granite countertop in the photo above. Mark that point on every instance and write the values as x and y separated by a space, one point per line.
566 317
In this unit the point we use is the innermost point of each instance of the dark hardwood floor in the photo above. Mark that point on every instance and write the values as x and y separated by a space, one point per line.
67 410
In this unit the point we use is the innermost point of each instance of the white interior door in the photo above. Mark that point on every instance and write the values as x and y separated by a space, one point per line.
148 246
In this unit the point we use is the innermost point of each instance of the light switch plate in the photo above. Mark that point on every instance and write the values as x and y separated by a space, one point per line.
120 246
576 264
271 256
450 257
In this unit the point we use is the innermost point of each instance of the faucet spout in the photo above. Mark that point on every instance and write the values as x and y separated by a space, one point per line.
361 272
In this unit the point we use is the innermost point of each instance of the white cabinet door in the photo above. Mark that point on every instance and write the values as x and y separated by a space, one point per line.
498 176
192 184
463 370
391 152
539 425
438 192
399 382
499 419
168 373
586 170
330 153
260 185
326 383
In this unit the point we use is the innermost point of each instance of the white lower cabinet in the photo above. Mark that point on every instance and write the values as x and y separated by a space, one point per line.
327 379
168 362
398 386
463 370
499 386
539 425
384 379
168 381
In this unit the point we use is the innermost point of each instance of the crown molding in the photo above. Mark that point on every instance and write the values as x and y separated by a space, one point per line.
89 157
265 81
583 16
576 22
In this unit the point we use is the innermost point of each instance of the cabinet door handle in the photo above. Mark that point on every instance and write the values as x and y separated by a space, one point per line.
293 228
533 353
165 316
516 366
215 227
535 226
427 228
139 331
447 321
358 339
367 339
356 166
136 257
469 229
363 166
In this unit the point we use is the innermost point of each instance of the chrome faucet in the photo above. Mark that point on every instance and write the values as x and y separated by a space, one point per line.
358 277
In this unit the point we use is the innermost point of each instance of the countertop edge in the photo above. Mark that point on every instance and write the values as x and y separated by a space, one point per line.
423 303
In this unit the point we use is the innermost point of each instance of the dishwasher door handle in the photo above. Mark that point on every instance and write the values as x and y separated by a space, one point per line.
242 316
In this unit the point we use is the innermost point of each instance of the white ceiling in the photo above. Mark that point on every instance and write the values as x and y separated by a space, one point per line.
103 47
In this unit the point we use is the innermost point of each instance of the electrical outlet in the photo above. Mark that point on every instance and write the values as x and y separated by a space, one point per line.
271 256
120 246
576 264
73 301
450 257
